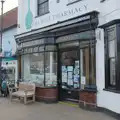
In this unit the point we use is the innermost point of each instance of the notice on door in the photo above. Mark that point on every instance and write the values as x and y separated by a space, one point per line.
64 74
70 68
64 77
83 80
70 78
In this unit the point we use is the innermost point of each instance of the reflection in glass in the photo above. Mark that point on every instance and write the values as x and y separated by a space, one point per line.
112 71
50 68
87 59
34 68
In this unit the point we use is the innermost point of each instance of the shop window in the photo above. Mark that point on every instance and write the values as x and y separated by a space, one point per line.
34 68
43 7
50 68
34 65
87 65
110 56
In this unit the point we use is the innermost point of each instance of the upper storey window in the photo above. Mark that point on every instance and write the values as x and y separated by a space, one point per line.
43 7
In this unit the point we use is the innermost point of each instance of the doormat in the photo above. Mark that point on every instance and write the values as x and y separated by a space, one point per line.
69 103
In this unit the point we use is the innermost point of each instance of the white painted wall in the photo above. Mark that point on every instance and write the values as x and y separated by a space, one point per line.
105 99
108 11
55 11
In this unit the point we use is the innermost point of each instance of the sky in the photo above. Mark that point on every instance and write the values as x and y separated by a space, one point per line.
9 4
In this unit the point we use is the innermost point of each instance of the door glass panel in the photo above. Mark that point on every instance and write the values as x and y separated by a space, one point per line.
70 69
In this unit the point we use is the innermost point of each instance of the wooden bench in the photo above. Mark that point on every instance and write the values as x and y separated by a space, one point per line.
25 91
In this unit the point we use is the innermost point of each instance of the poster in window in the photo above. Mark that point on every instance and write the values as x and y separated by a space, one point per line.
64 77
76 81
64 69
76 85
83 80
77 63
70 78
76 71
76 78
70 68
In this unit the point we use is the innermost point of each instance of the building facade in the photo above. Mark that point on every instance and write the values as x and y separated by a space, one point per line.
9 58
70 50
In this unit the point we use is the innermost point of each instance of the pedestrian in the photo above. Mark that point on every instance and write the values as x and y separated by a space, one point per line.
4 86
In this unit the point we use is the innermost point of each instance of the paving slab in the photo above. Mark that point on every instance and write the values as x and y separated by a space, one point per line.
42 111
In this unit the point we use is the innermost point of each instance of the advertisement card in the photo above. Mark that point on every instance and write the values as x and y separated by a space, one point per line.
70 68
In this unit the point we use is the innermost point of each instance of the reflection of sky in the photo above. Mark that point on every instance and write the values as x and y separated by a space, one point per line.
8 43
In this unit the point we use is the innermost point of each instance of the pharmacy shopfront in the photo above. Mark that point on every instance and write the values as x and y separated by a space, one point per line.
60 59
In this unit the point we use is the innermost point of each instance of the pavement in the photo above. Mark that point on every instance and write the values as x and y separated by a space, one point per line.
42 111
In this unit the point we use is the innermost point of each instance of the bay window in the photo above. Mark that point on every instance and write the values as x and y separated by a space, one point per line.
110 57
40 68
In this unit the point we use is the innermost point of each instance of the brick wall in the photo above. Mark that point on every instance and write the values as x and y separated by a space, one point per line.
87 99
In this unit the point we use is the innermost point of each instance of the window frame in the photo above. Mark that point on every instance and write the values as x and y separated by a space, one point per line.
38 6
108 58
92 69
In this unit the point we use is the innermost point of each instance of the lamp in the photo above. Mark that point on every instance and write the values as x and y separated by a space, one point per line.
1 24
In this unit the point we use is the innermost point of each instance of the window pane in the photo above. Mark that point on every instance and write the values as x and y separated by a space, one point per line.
111 48
87 65
26 68
37 68
46 7
34 68
85 69
43 7
51 68
112 72
93 64
111 34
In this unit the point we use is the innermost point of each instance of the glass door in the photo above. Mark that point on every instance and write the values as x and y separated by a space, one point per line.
70 76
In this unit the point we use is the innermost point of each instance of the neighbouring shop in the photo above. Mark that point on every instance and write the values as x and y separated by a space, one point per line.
10 64
61 61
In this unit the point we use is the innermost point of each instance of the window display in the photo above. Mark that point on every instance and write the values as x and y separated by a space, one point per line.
34 66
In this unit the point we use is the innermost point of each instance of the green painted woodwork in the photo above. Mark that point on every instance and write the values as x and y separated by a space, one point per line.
29 17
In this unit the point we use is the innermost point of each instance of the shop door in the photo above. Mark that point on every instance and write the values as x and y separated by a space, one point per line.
70 78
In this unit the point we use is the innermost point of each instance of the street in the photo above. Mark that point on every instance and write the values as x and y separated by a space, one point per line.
42 111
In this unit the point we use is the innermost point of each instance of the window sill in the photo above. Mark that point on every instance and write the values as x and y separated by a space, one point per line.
42 14
73 2
90 88
47 87
111 90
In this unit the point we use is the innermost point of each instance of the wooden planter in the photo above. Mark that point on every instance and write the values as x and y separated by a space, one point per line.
47 94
